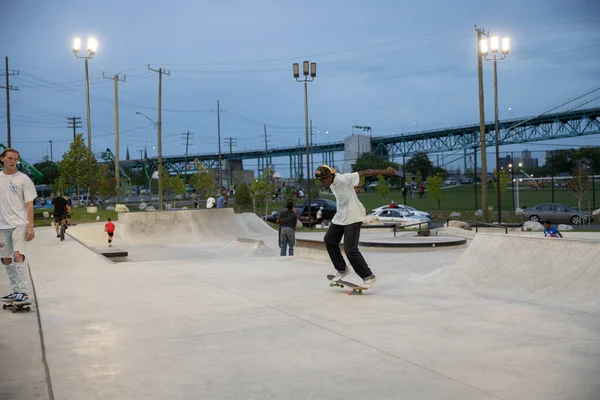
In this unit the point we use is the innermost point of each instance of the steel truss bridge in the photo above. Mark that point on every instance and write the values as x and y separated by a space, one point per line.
513 131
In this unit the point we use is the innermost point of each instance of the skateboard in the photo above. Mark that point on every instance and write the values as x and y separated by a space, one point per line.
353 287
17 307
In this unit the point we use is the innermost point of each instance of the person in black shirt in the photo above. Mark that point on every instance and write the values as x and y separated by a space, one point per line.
59 211
287 222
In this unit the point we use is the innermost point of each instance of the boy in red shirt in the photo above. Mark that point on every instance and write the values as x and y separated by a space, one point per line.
110 229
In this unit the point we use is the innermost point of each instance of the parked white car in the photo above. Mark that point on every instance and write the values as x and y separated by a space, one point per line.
399 217
404 208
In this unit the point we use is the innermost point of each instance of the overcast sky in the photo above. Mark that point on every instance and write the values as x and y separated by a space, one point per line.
396 66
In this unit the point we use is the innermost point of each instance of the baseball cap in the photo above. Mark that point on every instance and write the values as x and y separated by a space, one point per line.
324 171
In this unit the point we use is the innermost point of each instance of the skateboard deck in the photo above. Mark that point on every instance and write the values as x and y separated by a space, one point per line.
17 307
354 288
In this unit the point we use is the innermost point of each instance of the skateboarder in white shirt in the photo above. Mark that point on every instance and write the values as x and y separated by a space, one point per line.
347 221
17 193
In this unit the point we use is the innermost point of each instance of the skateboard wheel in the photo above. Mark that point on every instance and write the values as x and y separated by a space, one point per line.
342 286
349 292
360 291
4 306
27 308
330 284
14 311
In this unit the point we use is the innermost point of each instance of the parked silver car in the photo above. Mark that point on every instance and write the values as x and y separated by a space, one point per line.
556 213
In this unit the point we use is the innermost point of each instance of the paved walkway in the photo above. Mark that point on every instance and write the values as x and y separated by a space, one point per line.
265 327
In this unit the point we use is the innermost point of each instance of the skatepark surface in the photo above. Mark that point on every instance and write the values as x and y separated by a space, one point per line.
204 308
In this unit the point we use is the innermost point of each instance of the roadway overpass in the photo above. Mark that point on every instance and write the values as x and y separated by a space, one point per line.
559 125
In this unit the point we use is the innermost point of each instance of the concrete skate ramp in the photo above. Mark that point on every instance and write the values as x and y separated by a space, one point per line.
549 271
208 233
177 226
256 227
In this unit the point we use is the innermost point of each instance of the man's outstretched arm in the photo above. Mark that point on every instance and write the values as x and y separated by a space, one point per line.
374 172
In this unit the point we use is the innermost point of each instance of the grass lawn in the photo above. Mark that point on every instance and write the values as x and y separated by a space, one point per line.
79 215
457 198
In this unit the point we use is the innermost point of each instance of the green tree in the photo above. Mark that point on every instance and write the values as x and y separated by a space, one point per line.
435 188
419 162
369 161
382 187
175 184
260 190
108 184
440 171
48 169
563 160
579 182
290 194
504 181
469 173
73 168
243 197
204 183
419 178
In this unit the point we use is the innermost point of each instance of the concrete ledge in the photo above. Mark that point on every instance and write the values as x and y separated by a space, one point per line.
112 252
392 243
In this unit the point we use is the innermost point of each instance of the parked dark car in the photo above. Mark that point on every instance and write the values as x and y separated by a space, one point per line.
273 217
329 207
557 213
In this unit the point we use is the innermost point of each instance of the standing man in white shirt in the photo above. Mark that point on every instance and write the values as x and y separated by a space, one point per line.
347 221
17 193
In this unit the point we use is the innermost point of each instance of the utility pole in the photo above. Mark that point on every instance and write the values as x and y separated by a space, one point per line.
74 123
160 162
266 152
116 80
8 88
482 136
187 144
219 141
312 155
232 142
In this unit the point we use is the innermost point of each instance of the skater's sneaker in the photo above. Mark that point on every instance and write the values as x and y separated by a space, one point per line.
341 274
21 298
8 298
369 281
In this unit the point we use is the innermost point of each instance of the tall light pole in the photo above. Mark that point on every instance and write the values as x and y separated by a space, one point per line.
512 172
494 47
308 69
92 46
482 136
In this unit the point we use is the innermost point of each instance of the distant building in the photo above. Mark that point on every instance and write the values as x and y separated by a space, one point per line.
527 160
506 162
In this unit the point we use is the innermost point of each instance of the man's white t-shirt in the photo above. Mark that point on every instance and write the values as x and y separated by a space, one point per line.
210 202
349 209
16 190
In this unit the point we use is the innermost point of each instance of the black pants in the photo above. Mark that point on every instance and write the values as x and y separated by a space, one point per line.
351 234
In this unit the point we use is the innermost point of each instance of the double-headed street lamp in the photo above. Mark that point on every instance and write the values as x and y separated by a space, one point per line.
494 47
92 46
308 70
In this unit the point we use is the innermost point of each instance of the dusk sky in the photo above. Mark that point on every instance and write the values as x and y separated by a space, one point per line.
395 66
